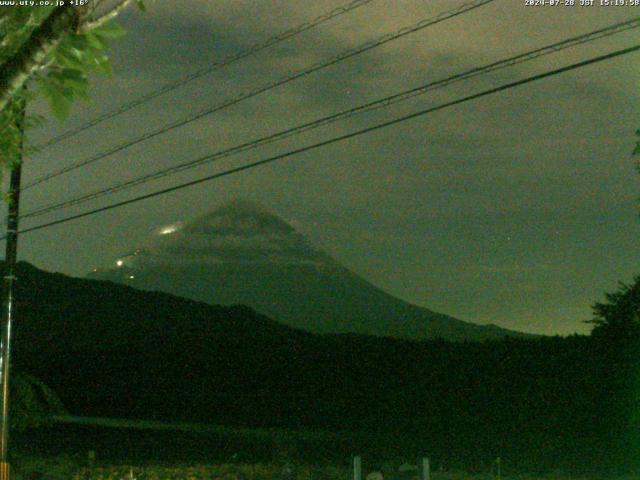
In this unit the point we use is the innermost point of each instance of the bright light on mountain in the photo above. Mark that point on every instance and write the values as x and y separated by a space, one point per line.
169 229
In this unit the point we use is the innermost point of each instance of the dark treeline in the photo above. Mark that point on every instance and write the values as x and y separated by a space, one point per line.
543 404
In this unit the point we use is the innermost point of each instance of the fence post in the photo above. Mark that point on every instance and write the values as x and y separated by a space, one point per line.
426 469
357 468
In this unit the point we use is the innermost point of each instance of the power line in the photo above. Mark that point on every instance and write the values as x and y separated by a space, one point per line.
340 138
267 87
377 104
281 37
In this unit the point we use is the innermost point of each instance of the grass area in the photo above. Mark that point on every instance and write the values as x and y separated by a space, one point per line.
59 468
28 468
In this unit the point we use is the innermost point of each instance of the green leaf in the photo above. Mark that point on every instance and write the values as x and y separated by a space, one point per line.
95 41
102 64
66 58
141 6
68 65
78 41
75 79
109 30
77 53
73 83
60 106
58 97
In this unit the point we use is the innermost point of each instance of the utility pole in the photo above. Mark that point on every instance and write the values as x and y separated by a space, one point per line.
7 294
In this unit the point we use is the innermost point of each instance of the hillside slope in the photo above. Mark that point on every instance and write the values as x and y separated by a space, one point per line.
113 351
243 254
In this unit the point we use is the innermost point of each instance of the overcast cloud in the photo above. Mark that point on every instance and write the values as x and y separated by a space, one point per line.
518 209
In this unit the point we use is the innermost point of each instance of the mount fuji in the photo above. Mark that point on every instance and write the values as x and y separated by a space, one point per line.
241 253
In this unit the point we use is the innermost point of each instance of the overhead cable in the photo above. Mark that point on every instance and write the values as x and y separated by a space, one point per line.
367 107
231 59
337 139
264 88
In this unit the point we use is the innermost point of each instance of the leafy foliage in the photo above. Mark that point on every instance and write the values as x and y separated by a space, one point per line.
63 467
113 351
619 316
32 403
78 55
62 76
16 25
11 126
636 151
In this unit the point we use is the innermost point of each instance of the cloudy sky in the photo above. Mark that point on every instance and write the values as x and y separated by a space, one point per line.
518 209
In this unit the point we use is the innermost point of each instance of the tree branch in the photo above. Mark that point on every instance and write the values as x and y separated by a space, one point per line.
105 17
17 69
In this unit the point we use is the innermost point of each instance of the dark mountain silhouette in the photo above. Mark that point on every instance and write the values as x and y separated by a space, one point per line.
243 254
113 351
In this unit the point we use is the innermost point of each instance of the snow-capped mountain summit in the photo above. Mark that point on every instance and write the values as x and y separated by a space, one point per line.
242 253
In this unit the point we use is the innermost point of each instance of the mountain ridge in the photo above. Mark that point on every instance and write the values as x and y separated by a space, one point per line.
241 253
109 350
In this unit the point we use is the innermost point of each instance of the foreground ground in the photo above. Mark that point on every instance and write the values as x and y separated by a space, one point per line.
29 468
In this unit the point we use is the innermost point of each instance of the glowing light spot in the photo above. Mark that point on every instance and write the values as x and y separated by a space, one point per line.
168 230
132 277
119 263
